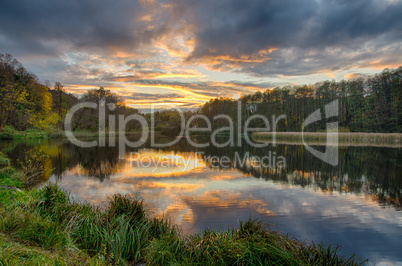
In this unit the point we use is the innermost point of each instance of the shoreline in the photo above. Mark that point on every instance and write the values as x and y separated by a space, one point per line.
344 138
392 140
44 225
43 134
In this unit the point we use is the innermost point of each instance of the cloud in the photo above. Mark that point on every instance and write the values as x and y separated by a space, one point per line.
156 99
153 96
289 37
353 76
183 46
152 74
184 93
208 89
292 37
101 25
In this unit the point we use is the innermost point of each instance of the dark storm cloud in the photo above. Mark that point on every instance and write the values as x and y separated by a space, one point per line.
100 24
304 32
228 35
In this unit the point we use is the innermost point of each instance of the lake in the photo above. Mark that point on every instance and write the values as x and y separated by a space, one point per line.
356 204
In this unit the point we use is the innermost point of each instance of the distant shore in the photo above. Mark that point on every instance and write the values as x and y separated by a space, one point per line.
320 138
296 138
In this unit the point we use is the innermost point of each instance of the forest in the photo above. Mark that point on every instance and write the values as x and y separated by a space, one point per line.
365 105
370 104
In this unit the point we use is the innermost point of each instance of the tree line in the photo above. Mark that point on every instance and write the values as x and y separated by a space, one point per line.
365 105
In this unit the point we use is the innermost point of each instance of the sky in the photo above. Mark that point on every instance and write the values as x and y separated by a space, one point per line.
178 52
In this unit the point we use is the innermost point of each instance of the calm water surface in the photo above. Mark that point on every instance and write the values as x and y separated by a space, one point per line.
356 204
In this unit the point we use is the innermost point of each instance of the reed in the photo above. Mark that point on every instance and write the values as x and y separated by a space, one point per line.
387 139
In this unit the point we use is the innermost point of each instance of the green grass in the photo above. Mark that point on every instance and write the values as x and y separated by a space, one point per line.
4 161
17 253
10 133
45 226
8 176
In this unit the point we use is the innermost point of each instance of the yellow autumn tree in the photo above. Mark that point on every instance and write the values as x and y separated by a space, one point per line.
41 115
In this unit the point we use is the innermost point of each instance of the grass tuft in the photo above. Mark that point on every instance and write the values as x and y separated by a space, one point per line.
4 161
133 209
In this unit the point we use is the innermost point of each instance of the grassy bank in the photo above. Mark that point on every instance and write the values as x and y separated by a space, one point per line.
381 139
9 133
45 226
